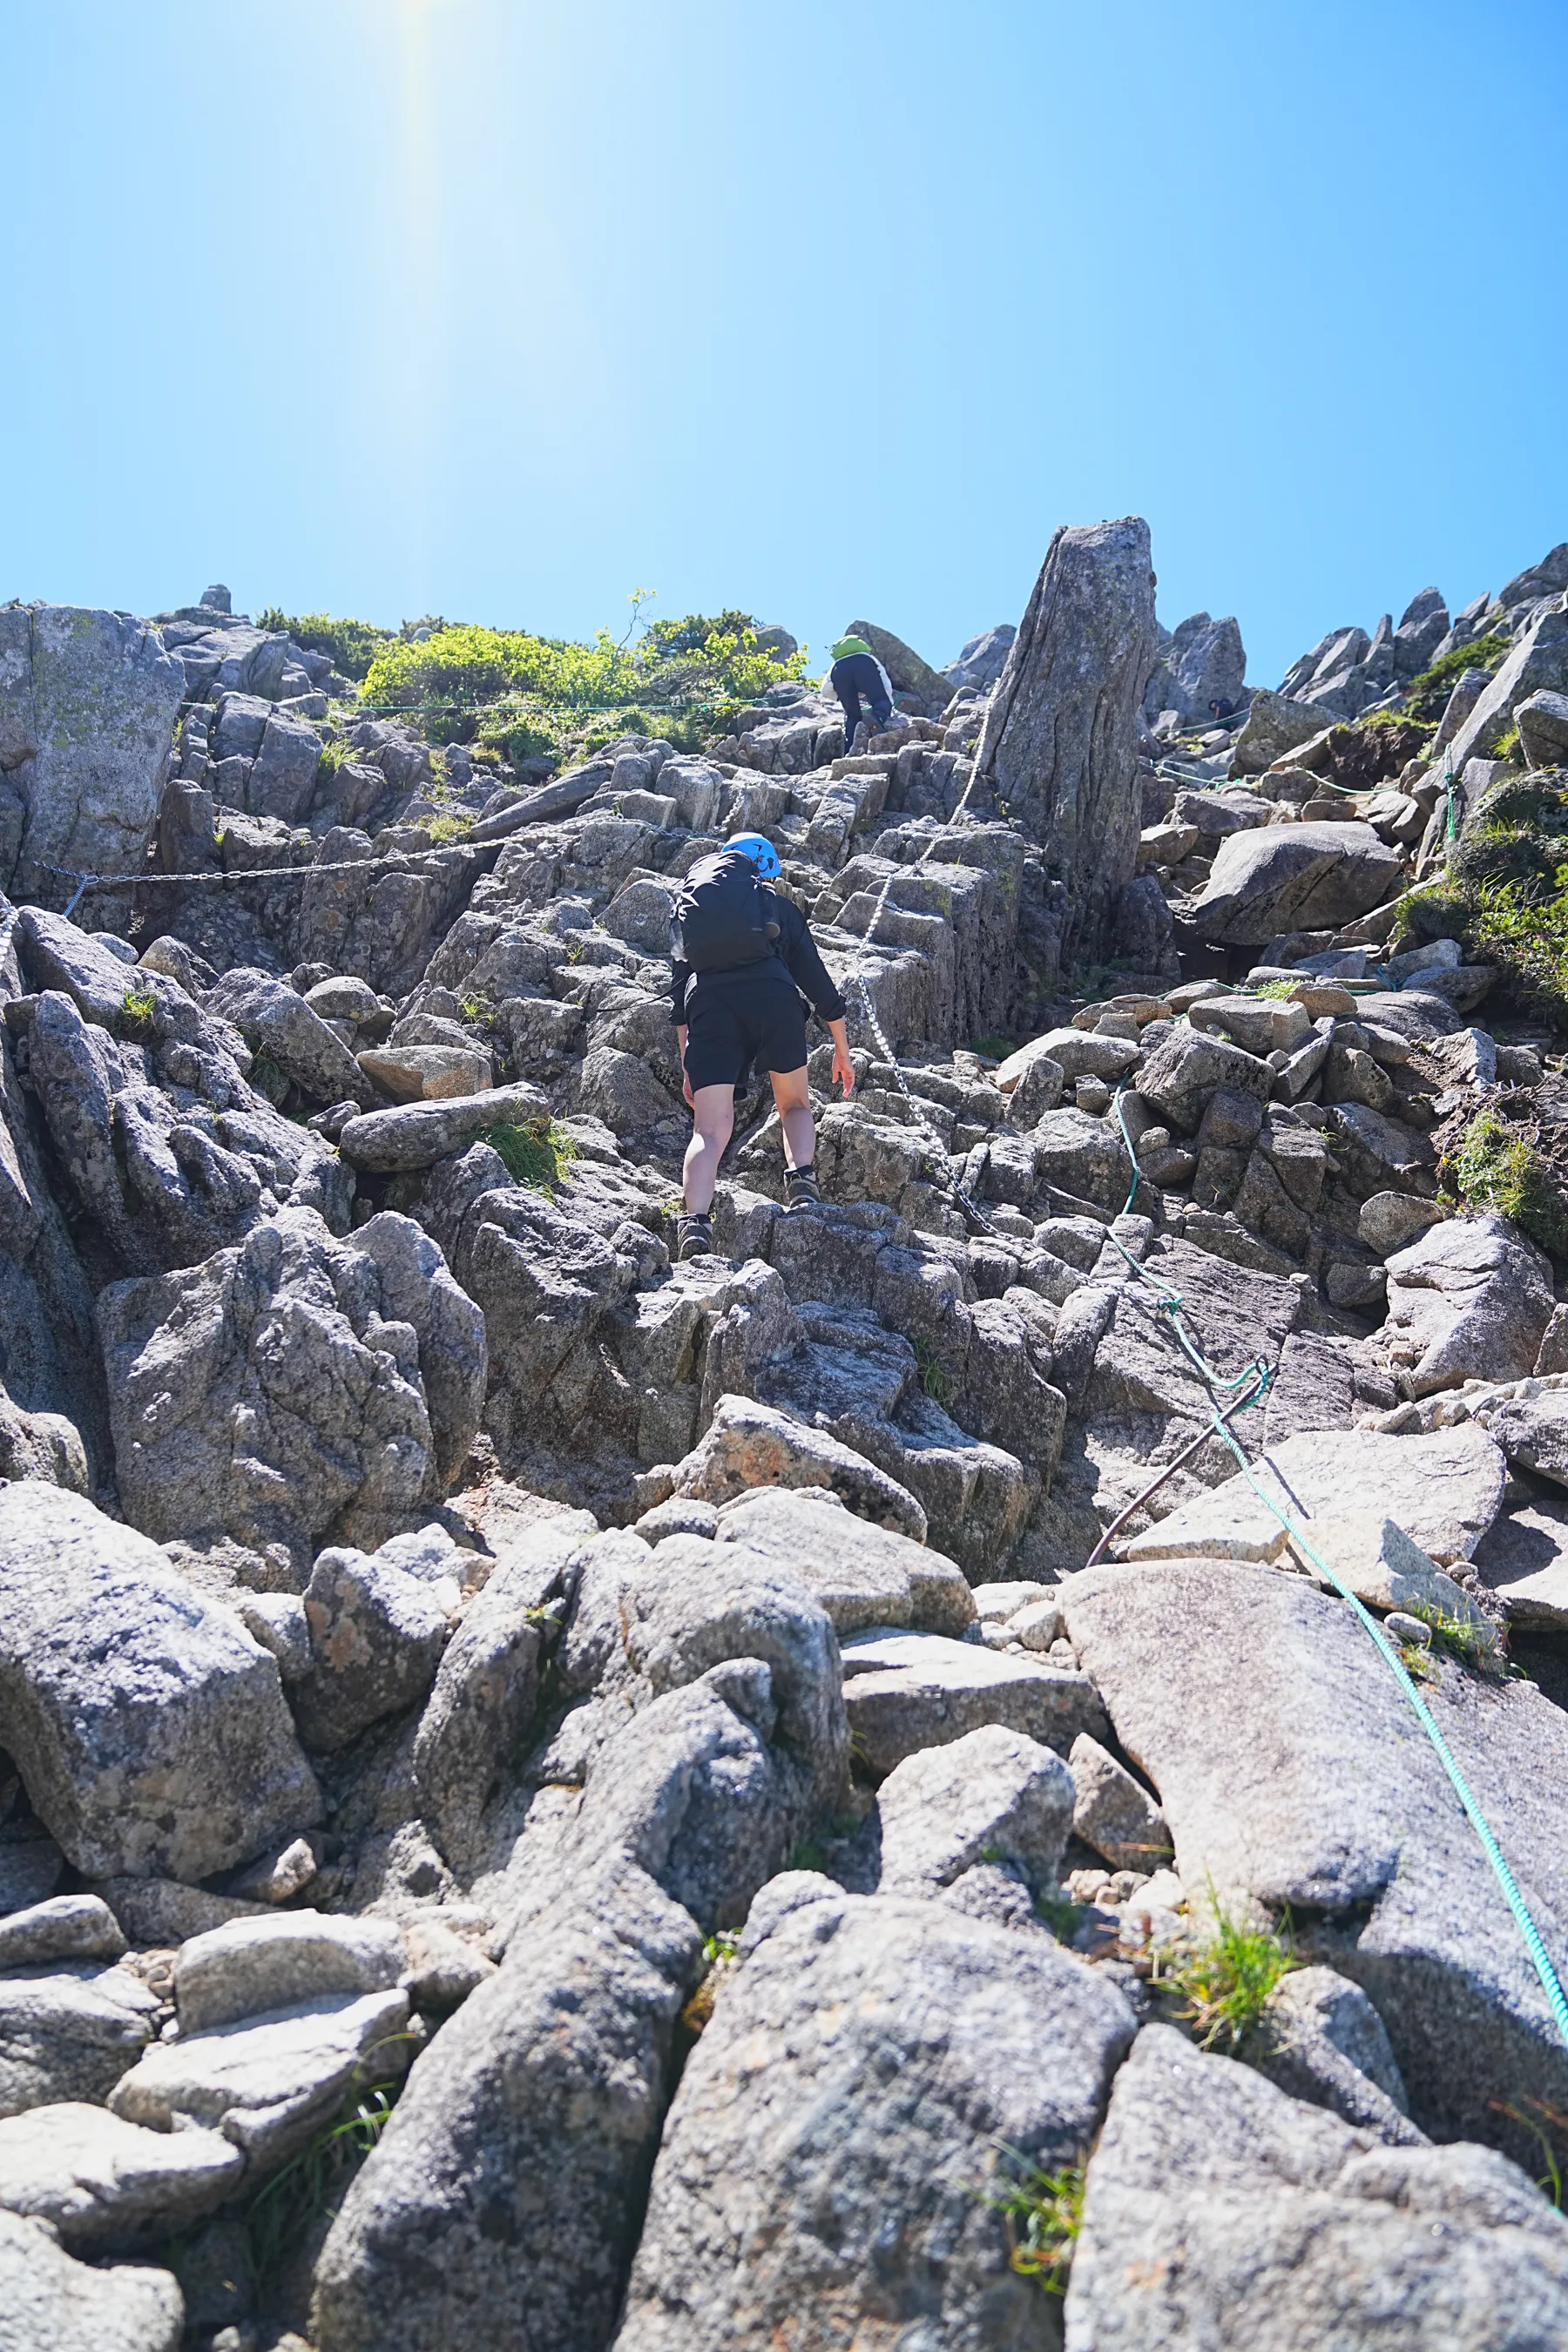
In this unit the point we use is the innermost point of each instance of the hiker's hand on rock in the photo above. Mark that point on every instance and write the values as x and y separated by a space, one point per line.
843 1070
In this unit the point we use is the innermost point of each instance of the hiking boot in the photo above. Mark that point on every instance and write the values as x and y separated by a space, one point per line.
800 1189
694 1237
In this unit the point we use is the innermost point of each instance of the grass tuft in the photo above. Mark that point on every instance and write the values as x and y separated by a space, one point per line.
1044 2213
1496 1168
720 1955
936 1380
137 1005
285 2208
1226 1977
539 1154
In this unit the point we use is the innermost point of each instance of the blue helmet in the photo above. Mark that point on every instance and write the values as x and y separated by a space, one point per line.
760 850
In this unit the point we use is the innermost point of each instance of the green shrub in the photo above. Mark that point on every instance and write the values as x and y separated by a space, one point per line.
1430 690
352 645
538 1154
1496 1167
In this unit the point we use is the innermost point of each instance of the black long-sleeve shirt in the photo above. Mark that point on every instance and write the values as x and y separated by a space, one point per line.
795 958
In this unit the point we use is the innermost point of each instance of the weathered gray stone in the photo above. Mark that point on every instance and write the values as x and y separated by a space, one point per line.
504 2200
63 1928
273 1021
1275 725
993 1796
88 701
1444 1490
1353 1821
50 2303
1532 1431
1221 2212
748 1444
1078 1053
909 1691
1294 877
246 1966
279 1386
1320 2039
1187 1068
645 1623
96 2180
828 2165
377 1632
270 2082
1113 1812
1060 736
1537 660
1523 1560
1541 719
486 1685
70 2032
862 1575
1391 1220
416 1135
149 1726
1471 1298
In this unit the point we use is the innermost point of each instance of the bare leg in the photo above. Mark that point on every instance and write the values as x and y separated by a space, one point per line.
793 1096
714 1117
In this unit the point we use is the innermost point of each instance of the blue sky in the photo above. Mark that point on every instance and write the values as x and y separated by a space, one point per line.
502 309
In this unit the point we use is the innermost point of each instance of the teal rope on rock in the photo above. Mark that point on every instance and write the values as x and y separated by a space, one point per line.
1535 1944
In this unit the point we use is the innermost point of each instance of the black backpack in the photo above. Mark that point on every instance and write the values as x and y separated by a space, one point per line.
721 918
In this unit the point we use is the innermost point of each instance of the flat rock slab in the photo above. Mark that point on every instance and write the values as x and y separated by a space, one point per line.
903 1692
826 2169
1293 1771
246 1966
416 1135
1294 877
863 1575
1523 1560
1222 2213
51 2302
1444 1488
96 2177
148 1726
269 2083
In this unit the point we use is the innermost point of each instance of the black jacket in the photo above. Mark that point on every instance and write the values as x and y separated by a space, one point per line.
795 958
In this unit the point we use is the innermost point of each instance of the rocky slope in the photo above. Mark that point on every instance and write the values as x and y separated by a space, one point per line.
551 1798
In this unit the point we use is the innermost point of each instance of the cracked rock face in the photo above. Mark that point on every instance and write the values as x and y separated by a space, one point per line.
269 1395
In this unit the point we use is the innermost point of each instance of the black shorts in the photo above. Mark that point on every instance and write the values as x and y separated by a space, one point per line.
731 1021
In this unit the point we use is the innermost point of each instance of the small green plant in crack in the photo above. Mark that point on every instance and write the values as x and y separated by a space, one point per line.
268 1079
721 1954
317 2180
1225 1977
1061 1915
1044 2213
137 1005
478 1010
1550 2127
445 831
1462 1638
935 1379
538 1154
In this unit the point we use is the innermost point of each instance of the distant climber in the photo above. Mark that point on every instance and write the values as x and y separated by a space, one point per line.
742 956
857 671
1222 709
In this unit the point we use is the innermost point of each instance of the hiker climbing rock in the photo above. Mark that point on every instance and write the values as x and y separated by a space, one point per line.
857 671
742 955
